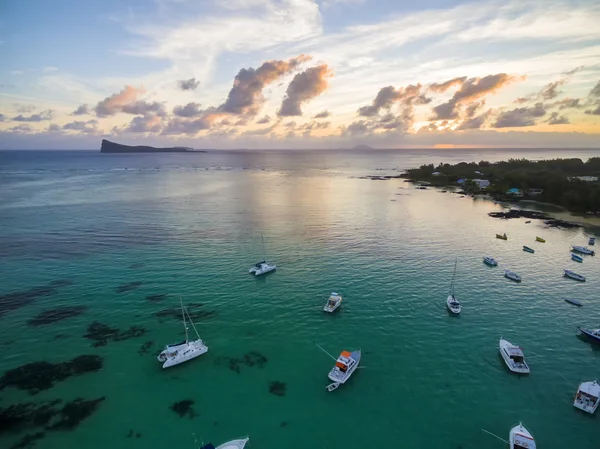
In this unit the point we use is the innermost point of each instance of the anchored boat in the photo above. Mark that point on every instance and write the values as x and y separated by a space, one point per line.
539 239
592 241
502 236
576 258
512 276
262 267
490 261
521 438
528 249
574 302
513 357
333 302
233 444
177 353
345 365
573 275
587 397
583 250
592 334
451 302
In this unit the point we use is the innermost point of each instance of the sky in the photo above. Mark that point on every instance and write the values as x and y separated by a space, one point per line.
278 74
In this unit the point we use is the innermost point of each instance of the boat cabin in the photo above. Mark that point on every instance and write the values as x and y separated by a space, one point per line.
523 442
344 361
588 396
333 300
516 355
259 264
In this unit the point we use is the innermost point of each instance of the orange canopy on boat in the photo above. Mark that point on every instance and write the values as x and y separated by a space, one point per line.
345 354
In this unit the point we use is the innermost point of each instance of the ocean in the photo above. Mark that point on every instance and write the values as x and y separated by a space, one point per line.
96 251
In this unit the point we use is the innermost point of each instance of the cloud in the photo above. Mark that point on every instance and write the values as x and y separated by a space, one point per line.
556 119
189 110
443 87
265 119
23 128
551 90
84 109
88 127
389 95
594 111
190 84
190 127
322 114
2 117
245 97
116 102
145 124
472 121
53 127
142 107
470 90
521 100
45 115
24 108
304 87
520 117
595 92
567 103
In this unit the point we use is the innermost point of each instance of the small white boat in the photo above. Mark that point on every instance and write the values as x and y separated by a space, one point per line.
573 275
333 302
345 365
521 438
177 353
451 302
233 444
583 250
490 261
588 396
512 276
262 267
513 357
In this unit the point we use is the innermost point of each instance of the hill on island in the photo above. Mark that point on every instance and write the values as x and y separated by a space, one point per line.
113 147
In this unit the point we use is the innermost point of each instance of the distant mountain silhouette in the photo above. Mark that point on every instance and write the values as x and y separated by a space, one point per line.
362 147
113 147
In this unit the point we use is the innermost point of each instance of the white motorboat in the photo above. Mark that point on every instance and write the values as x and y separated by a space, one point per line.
573 275
262 267
177 353
490 261
345 365
583 250
333 302
513 357
451 302
512 276
233 444
521 438
588 396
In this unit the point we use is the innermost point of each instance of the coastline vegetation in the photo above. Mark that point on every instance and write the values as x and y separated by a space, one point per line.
553 181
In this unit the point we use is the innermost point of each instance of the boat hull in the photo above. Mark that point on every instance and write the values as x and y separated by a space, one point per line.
528 249
576 258
501 237
234 444
583 250
583 399
512 276
490 262
356 355
194 349
589 335
519 436
504 345
455 309
573 301
267 268
574 276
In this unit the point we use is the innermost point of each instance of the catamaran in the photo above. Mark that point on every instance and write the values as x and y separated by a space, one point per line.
345 365
262 267
177 353
583 250
588 396
513 357
512 276
333 302
451 302
521 438
573 275
233 444
490 261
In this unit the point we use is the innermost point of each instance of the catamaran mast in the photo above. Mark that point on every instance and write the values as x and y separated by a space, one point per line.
192 323
263 244
183 315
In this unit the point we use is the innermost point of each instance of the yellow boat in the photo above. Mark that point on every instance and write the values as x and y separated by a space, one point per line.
539 239
503 236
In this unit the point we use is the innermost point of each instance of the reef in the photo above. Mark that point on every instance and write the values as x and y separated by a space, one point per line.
277 388
37 376
534 215
56 314
128 287
156 297
184 408
101 333
16 300
250 359
145 347
47 415
194 310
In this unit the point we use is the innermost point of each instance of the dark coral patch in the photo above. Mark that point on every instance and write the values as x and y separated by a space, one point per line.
128 287
28 440
38 376
145 347
277 388
16 300
249 359
184 408
18 417
101 333
255 358
194 309
56 314
156 297
74 412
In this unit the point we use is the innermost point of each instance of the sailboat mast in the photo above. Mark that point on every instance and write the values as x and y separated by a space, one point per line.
192 323
263 244
453 276
183 315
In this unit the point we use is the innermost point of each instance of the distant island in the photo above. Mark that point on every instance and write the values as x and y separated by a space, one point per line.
569 183
113 147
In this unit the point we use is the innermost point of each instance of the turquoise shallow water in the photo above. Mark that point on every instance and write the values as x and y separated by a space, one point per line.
192 224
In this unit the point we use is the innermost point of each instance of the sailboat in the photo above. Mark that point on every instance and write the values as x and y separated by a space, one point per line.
177 353
233 444
452 303
262 267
